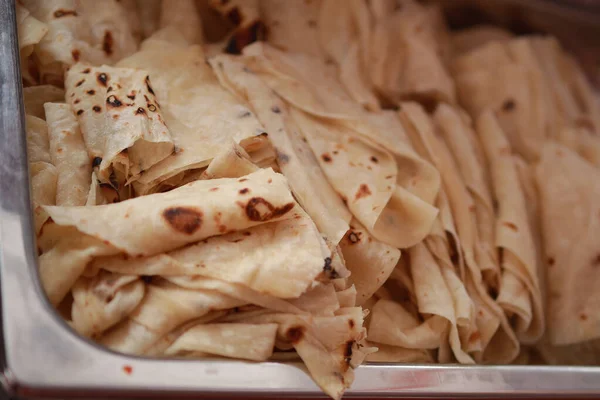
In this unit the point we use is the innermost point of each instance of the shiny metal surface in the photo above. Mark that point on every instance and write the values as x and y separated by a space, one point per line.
42 358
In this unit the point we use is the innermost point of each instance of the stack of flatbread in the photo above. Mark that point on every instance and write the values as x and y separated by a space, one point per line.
325 181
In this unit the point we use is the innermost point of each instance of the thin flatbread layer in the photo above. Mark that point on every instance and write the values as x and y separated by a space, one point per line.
513 233
295 158
569 191
185 215
202 116
69 155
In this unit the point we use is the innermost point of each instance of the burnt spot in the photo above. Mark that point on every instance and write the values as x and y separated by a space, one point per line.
312 23
244 114
113 101
326 157
583 317
63 13
259 209
374 159
348 351
87 71
147 278
276 109
246 233
242 180
76 101
328 269
389 177
96 162
363 191
474 336
79 112
244 37
596 261
91 92
151 107
148 86
244 191
97 109
295 334
80 83
183 219
351 323
282 157
102 78
234 16
551 261
510 225
139 111
353 237
108 43
131 96
75 54
509 105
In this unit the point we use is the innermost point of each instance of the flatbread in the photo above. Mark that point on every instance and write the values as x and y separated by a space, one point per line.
202 116
69 155
568 198
120 118
513 235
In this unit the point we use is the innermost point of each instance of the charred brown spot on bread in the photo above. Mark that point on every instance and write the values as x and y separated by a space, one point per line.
79 112
295 334
244 37
353 237
276 109
312 23
282 157
151 107
326 157
75 54
80 83
259 209
351 323
148 86
348 351
131 96
242 180
596 261
510 225
583 317
146 278
97 109
328 269
108 43
247 233
96 162
76 101
140 110
234 16
509 105
63 13
244 191
91 92
363 191
374 159
113 101
183 219
87 71
551 261
474 336
102 78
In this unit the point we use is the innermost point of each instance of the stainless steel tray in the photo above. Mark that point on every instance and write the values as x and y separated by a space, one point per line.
43 359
